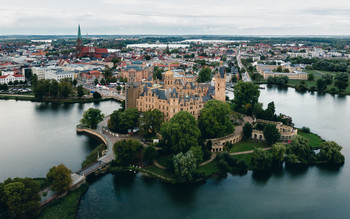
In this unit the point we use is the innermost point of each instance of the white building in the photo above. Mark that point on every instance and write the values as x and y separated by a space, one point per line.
11 78
59 75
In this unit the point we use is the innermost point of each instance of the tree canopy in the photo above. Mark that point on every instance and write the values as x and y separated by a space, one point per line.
215 120
330 152
125 151
151 121
246 93
261 160
180 133
92 117
299 151
121 121
247 130
184 166
271 134
20 196
60 178
204 75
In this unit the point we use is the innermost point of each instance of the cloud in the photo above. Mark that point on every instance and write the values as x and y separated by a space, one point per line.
236 17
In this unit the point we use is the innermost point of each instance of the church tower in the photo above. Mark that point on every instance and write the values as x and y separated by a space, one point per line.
220 84
79 44
168 79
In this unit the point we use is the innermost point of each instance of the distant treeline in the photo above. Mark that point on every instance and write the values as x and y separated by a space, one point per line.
336 65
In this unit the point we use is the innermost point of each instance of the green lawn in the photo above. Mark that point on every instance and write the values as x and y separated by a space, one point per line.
318 75
314 139
163 160
65 207
210 168
159 171
247 145
247 158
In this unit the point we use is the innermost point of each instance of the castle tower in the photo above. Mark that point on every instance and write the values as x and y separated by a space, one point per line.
79 43
168 79
220 84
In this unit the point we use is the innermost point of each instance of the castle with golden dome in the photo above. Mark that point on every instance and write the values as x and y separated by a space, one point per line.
177 92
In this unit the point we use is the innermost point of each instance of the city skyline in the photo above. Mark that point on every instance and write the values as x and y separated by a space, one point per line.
115 17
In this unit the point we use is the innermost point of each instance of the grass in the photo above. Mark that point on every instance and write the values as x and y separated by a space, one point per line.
65 207
210 168
163 160
92 157
247 158
247 145
314 139
159 171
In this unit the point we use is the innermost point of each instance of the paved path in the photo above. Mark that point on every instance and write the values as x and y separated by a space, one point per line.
213 156
155 163
248 152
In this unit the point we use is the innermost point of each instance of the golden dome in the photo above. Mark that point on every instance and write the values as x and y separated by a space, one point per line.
169 72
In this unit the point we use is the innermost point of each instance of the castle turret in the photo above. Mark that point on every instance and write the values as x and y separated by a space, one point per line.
220 84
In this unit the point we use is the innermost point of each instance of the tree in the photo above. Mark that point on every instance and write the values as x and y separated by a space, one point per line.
328 78
151 121
113 122
96 95
54 88
215 120
65 89
310 77
115 60
128 120
59 178
271 134
157 74
278 152
75 82
125 151
149 154
261 160
80 91
95 81
107 73
92 117
301 150
204 75
180 133
321 85
269 113
184 167
234 79
197 153
20 196
246 93
247 130
257 77
341 81
279 69
103 81
330 152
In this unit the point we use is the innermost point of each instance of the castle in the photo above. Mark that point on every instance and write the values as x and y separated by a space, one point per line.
177 92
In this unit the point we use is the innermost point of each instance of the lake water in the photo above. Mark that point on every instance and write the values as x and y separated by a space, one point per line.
313 192
36 136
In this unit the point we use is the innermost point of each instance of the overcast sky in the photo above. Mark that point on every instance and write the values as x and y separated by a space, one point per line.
230 17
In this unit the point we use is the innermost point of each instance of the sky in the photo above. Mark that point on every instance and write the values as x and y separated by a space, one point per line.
175 17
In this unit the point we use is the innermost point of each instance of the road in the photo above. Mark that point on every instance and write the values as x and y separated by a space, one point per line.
105 92
245 75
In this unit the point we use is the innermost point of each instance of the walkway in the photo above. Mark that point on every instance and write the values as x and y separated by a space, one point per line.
248 152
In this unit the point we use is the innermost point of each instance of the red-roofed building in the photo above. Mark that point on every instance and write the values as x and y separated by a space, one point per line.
11 78
89 77
91 51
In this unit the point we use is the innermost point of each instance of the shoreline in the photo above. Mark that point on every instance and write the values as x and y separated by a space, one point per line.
68 100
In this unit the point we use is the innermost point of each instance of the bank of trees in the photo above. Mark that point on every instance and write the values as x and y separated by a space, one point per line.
299 152
20 197
121 121
335 65
126 151
204 75
52 89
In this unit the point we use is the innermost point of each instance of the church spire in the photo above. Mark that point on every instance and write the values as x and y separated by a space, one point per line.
79 33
